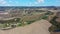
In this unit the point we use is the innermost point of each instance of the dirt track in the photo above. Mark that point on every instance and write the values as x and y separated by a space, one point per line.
38 27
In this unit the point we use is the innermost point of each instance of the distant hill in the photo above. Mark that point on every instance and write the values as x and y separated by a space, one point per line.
2 8
27 6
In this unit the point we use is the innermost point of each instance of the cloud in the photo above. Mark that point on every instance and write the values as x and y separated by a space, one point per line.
40 1
11 2
2 2
5 3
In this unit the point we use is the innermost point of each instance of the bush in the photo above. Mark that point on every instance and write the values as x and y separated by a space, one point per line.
19 24
55 23
49 13
29 22
44 17
13 26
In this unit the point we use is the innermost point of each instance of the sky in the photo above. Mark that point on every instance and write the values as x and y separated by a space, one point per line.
29 2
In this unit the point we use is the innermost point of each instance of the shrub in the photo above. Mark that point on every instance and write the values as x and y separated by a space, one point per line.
55 23
44 17
49 13
29 22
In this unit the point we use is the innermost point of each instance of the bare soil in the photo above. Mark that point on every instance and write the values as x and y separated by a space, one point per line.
38 27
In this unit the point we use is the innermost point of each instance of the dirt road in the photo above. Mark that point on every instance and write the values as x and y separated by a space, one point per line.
38 27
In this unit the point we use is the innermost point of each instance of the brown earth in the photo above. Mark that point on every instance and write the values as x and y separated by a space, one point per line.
38 27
